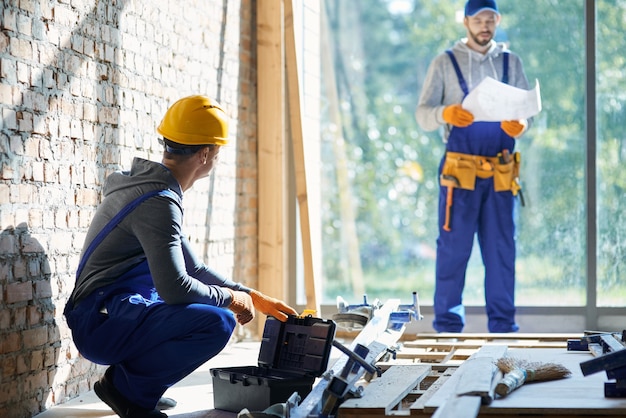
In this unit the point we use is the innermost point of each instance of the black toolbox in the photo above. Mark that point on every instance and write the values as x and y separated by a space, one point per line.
292 355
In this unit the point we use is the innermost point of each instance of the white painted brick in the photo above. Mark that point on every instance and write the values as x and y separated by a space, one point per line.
24 25
9 21
10 119
25 121
21 48
8 71
76 128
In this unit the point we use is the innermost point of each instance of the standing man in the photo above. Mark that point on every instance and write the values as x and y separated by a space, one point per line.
477 174
143 302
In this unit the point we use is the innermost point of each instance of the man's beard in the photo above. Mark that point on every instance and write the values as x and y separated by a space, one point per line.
484 41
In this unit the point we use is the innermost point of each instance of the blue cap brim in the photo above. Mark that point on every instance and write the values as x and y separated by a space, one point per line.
482 10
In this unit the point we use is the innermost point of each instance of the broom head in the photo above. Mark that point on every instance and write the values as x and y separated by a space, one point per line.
535 371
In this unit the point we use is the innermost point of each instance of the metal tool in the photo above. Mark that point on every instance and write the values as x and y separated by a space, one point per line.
341 379
450 182
610 356
354 316
406 313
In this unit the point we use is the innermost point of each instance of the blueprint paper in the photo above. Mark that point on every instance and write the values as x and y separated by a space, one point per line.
493 101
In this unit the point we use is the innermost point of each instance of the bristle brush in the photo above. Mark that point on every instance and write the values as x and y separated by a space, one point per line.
517 372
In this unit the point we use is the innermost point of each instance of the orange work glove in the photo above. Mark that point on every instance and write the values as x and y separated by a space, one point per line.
514 128
242 306
457 116
270 306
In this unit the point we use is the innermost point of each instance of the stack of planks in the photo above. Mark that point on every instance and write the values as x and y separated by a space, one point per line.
453 375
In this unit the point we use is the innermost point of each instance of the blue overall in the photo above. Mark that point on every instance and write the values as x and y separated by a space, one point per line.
482 211
149 344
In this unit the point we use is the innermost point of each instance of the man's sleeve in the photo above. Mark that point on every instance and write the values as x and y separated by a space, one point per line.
157 225
430 105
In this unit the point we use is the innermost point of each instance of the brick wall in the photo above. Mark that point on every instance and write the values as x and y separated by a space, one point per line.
83 85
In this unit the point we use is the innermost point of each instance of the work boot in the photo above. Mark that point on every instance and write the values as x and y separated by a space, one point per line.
118 403
166 403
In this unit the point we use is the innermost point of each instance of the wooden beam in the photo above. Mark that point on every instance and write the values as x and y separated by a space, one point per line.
271 153
297 137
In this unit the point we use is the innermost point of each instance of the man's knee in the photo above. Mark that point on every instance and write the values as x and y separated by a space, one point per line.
229 322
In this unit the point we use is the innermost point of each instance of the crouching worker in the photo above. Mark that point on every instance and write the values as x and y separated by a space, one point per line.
143 303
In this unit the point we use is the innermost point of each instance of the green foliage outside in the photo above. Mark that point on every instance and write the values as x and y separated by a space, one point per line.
380 57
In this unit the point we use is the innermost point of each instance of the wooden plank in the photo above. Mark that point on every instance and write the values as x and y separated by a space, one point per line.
271 154
422 354
444 345
297 136
463 407
577 396
476 376
491 351
418 406
455 385
452 336
383 394
477 373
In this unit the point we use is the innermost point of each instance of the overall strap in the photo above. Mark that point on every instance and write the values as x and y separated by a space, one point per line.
117 219
505 68
459 74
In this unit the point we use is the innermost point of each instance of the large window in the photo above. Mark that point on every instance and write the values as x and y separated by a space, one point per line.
379 176
611 151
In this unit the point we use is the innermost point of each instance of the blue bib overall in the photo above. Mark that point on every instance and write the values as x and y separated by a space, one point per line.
484 212
151 345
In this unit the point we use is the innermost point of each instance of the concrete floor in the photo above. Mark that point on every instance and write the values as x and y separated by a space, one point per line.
194 394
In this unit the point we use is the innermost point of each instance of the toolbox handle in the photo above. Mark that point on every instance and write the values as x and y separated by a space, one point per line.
232 378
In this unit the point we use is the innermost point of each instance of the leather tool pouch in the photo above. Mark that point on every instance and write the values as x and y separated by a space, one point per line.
503 176
462 170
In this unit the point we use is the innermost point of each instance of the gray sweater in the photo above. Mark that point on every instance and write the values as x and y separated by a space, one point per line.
441 86
152 231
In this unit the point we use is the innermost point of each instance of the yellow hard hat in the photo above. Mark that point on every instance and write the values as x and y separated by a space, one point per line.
195 120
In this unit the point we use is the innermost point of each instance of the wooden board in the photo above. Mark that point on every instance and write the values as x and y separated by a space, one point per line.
575 396
383 394
447 345
561 337
463 407
311 284
453 349
272 269
474 378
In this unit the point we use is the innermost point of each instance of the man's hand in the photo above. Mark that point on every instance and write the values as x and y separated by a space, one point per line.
457 116
242 306
270 306
514 128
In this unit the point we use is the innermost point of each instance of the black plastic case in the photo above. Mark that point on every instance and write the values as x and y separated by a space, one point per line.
292 355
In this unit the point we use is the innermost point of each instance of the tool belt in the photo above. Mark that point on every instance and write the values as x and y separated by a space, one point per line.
460 170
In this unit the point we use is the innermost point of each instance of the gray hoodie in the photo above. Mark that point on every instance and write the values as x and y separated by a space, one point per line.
441 85
152 231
